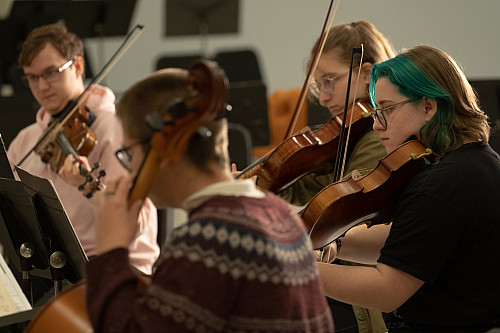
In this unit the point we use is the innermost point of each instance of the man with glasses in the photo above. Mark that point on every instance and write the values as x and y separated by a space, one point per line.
53 65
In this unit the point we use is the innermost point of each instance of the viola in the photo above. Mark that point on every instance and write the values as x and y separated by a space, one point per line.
371 199
307 152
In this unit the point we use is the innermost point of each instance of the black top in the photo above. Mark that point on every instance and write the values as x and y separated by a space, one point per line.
446 232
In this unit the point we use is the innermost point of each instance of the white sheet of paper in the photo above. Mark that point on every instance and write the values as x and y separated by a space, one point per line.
12 298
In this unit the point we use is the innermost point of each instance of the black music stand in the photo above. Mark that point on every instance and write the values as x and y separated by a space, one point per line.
249 102
87 19
18 228
36 233
194 17
5 168
64 251
19 234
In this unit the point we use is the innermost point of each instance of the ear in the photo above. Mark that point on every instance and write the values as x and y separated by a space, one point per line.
365 72
430 108
79 65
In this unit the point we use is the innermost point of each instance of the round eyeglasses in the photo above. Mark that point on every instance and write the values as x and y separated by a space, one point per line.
50 76
125 154
325 84
379 113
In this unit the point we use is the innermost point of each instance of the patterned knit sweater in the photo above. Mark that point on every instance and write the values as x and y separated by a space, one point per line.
240 264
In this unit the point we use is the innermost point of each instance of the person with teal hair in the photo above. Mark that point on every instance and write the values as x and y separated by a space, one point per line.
438 268
442 132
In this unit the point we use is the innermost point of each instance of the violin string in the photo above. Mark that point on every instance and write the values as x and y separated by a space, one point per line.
352 112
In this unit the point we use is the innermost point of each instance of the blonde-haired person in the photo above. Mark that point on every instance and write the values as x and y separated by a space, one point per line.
437 270
329 89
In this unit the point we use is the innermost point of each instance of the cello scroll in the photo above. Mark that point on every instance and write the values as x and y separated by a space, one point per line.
173 130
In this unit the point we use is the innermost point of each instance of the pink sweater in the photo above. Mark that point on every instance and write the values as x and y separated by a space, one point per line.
81 211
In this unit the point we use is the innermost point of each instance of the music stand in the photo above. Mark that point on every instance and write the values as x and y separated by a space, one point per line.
19 234
5 168
249 102
87 19
64 251
194 17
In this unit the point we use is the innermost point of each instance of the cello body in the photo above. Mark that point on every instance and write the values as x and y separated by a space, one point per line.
65 314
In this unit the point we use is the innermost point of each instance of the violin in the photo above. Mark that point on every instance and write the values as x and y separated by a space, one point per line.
67 312
75 137
76 131
307 152
371 199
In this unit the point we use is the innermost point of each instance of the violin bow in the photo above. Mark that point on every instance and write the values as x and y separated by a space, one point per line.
312 67
342 149
338 173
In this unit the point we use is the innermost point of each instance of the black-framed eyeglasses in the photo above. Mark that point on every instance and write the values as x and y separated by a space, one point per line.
379 113
325 84
125 154
50 76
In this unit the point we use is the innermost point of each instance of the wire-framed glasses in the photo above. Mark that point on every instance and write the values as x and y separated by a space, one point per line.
125 154
325 84
50 76
380 113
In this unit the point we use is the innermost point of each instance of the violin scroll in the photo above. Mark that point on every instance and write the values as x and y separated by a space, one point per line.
209 85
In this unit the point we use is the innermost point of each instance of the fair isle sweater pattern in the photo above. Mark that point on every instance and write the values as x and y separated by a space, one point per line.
254 246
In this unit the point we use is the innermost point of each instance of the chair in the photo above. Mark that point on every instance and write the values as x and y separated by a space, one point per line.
489 100
239 65
240 145
177 61
249 108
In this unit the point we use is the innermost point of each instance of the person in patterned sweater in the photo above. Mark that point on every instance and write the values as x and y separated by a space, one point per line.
243 262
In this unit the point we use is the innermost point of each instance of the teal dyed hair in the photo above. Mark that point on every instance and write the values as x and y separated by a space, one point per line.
413 83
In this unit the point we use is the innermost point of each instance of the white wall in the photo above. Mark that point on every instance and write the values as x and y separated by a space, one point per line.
283 32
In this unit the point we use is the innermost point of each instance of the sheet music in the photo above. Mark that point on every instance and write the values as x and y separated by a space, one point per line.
12 298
